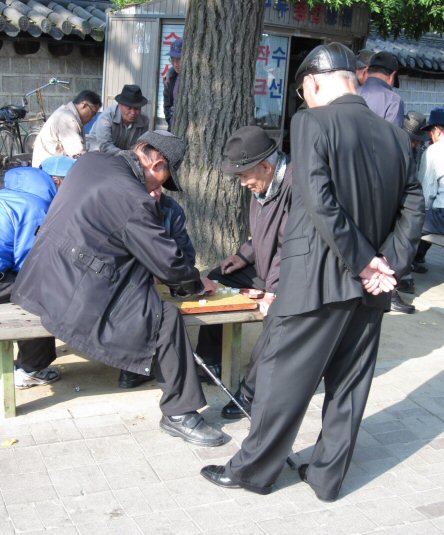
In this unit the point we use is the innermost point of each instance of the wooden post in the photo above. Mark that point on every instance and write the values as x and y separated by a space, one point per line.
7 388
231 354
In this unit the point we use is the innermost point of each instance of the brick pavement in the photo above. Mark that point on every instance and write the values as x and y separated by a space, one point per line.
95 462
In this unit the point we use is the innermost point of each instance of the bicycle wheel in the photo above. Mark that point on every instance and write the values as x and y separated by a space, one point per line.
29 140
8 146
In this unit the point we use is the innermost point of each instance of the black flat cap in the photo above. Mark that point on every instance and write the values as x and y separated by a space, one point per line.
326 58
388 62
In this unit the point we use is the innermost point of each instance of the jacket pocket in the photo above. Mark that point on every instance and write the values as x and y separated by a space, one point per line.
98 266
295 247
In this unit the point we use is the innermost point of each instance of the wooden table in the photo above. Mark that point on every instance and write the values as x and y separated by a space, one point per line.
17 324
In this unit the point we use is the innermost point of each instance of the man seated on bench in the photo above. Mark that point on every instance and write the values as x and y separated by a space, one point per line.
174 221
253 156
24 203
90 276
431 176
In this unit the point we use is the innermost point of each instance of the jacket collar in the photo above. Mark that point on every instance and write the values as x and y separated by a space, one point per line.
349 98
134 163
375 82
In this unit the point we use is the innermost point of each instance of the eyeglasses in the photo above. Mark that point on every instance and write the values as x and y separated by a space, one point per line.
94 109
300 92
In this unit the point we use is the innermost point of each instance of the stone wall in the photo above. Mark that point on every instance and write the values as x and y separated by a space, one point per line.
22 73
421 94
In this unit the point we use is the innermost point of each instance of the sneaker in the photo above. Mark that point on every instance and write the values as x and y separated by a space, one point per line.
24 379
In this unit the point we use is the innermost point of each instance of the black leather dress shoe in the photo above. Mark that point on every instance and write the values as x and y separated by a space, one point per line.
192 428
232 412
215 369
216 474
131 380
406 286
419 268
398 305
302 471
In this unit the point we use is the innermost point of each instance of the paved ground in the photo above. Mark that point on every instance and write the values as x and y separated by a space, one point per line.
94 462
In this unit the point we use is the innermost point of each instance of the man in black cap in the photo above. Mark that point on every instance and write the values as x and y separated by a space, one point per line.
120 125
354 222
362 62
95 259
380 98
253 156
431 176
378 89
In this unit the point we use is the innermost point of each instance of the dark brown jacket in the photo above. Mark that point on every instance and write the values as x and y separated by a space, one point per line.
90 273
267 224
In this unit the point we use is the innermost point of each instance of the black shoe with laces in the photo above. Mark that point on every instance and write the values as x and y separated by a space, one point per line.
131 380
232 412
406 286
398 305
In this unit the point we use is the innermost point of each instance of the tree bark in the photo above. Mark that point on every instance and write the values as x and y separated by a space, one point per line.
216 97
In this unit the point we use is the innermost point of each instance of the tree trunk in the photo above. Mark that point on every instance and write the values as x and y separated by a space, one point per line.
216 97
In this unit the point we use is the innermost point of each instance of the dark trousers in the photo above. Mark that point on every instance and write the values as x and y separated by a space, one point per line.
174 366
433 224
209 342
340 343
36 354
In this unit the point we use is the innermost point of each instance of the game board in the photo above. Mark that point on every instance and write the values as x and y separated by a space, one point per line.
216 303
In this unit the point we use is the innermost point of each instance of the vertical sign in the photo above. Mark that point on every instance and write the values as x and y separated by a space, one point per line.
269 86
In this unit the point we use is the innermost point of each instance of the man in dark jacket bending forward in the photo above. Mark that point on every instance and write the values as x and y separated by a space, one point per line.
95 259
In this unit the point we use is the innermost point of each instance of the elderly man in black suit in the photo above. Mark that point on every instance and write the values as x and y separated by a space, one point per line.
354 223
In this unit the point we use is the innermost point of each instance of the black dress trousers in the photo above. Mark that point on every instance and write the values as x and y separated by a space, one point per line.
174 366
339 342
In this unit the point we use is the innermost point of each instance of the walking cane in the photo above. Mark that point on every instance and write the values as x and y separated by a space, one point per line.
218 382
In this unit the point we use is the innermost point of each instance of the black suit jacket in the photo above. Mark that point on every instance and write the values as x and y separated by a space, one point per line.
355 195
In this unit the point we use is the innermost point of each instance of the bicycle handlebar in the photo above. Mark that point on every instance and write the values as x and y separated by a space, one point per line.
52 81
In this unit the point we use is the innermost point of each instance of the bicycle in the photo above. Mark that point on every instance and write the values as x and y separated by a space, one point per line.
15 148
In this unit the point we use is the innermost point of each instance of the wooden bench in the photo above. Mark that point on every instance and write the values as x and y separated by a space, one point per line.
17 324
434 239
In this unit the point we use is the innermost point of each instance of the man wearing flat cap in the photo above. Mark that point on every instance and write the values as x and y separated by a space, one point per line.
95 258
362 62
354 222
120 125
431 176
253 156
378 89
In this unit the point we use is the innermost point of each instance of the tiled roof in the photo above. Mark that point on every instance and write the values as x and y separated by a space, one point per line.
56 19
425 55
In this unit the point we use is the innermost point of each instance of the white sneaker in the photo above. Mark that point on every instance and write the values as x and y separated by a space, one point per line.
24 379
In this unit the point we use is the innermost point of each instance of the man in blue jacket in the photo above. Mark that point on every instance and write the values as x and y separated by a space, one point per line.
24 203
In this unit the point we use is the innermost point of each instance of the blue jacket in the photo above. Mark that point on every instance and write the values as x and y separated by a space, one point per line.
24 203
175 226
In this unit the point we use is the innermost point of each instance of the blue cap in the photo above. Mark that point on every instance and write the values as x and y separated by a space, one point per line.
436 118
176 49
57 165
